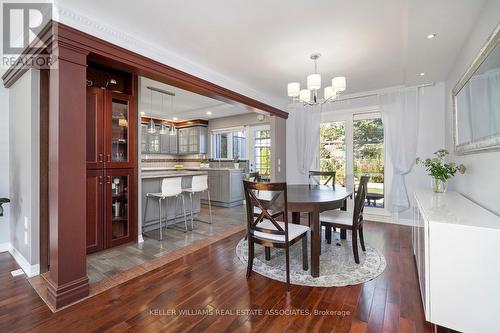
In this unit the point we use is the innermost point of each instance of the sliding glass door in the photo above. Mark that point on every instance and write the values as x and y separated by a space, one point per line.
352 144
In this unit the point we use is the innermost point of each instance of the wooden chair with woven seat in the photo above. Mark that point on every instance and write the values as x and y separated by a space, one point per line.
350 221
266 230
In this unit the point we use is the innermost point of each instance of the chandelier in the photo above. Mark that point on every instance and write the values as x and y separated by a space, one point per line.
310 95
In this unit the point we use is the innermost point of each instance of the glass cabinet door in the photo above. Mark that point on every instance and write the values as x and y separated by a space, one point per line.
120 216
120 126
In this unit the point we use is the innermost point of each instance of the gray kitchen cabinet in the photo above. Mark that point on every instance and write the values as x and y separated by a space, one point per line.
165 143
144 139
183 140
192 140
226 187
154 142
187 140
173 144
150 142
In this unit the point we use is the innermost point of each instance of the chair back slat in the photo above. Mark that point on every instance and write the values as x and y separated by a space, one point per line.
253 177
266 197
359 200
315 178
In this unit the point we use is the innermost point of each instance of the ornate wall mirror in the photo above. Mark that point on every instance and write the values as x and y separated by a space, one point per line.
476 101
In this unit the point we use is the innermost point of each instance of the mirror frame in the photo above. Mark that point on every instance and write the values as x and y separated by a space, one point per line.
491 142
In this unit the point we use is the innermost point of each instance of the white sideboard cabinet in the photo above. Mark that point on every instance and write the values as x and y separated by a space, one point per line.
456 244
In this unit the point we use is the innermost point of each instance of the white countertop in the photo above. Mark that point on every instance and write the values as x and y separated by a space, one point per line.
453 208
147 169
169 173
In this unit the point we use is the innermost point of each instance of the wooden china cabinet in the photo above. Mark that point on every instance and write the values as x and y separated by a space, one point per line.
111 168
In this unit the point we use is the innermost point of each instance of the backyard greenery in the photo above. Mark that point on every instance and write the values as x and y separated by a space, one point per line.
368 141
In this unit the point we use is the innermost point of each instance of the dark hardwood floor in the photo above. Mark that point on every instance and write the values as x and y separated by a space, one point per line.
211 280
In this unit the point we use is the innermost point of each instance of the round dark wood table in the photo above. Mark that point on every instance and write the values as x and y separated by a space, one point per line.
315 199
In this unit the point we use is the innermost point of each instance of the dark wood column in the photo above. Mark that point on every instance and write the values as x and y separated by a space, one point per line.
68 280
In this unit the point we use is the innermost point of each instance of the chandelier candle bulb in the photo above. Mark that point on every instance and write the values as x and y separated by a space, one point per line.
339 83
305 95
314 82
329 93
293 89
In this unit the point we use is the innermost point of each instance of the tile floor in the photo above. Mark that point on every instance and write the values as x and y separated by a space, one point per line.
105 264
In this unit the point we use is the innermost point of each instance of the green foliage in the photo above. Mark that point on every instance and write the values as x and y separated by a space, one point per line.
368 136
438 169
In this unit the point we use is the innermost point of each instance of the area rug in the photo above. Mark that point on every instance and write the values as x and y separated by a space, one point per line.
337 266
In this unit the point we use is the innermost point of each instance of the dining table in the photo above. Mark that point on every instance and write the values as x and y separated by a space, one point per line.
315 199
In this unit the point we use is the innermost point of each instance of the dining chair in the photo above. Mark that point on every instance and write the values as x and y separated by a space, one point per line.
199 184
350 221
266 230
170 188
328 178
253 176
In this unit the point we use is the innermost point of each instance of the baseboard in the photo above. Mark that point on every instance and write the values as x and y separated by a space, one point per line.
5 247
29 270
387 219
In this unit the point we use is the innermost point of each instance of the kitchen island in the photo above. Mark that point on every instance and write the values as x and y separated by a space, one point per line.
151 183
225 184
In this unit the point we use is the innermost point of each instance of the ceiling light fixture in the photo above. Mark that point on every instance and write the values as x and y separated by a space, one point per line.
143 113
151 126
173 130
163 127
421 74
431 36
209 113
310 96
175 118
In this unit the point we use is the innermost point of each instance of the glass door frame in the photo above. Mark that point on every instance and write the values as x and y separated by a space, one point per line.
348 117
131 131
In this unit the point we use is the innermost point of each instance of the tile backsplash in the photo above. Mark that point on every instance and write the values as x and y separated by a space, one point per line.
189 161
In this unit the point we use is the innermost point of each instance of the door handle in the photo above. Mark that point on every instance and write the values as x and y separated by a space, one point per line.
100 180
109 158
100 159
108 179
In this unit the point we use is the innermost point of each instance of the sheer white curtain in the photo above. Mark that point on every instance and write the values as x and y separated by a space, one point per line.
400 116
307 123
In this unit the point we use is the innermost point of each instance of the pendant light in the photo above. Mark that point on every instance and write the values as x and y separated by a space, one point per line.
151 126
173 130
163 128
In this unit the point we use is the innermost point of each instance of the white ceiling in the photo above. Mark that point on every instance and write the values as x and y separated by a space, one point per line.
186 105
266 44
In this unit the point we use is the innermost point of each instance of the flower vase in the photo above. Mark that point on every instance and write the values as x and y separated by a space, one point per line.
438 185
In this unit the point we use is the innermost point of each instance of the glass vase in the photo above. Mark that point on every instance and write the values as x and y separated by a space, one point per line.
438 185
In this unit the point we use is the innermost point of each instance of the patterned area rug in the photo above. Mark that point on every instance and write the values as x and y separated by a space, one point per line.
337 266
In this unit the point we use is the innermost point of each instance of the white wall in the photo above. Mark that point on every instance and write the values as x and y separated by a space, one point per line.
4 164
24 162
480 182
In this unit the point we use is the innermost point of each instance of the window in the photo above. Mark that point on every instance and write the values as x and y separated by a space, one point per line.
262 147
368 151
353 146
332 149
229 143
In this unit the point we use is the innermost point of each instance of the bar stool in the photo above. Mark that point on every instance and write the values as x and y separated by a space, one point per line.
170 188
198 185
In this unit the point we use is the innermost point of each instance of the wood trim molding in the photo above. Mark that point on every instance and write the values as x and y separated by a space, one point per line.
194 122
110 54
